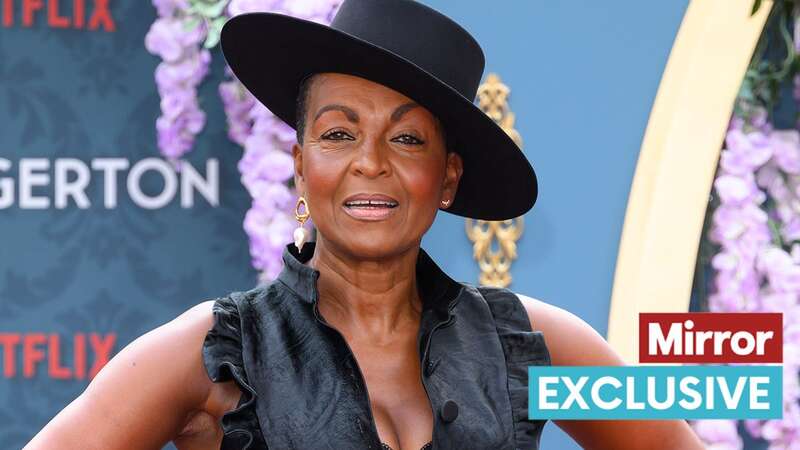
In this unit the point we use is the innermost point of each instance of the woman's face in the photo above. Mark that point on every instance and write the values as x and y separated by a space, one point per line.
373 166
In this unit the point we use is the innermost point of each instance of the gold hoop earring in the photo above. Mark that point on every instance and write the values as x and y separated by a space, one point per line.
300 233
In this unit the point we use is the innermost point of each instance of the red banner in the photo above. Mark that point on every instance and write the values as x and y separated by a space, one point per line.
710 337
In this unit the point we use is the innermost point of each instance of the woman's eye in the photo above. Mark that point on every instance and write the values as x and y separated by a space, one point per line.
408 139
337 135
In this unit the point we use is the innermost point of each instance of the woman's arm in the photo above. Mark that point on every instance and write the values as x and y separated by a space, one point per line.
572 342
143 397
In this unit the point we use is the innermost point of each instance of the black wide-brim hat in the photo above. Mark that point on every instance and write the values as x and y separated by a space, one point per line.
405 46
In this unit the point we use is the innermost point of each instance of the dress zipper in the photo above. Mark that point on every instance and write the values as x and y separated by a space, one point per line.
358 370
425 362
430 337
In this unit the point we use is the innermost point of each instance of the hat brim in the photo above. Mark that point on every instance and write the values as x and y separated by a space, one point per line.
271 53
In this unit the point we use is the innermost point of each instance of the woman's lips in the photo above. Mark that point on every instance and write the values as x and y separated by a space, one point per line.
372 211
370 206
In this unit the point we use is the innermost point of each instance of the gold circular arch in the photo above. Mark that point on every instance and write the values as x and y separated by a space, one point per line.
677 162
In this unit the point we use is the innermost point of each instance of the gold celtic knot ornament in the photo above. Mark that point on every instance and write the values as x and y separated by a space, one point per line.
495 242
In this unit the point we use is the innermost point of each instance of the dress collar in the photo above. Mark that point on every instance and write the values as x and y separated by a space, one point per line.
436 289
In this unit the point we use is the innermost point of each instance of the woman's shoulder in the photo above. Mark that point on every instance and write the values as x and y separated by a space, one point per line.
163 367
570 339
178 345
174 344
533 313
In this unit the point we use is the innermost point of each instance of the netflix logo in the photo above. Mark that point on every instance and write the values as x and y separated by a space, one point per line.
76 357
93 15
711 338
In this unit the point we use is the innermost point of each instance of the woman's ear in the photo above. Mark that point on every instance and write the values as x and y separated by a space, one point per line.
299 181
453 170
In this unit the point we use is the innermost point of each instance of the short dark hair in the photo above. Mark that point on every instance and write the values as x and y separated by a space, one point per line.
302 112
302 106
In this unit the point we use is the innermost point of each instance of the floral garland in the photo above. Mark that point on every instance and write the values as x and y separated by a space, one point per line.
757 228
182 35
759 213
176 36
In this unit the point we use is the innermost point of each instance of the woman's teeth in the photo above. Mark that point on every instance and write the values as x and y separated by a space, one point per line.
370 210
370 204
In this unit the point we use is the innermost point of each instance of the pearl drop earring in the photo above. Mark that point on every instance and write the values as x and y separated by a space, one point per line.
300 233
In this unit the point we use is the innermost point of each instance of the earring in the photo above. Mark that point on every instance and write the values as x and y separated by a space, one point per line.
446 203
300 233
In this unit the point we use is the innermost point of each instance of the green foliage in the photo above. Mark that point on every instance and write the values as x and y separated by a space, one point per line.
214 29
209 9
765 76
756 6
210 12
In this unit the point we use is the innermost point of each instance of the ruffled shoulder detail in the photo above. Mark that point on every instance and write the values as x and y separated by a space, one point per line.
522 347
224 360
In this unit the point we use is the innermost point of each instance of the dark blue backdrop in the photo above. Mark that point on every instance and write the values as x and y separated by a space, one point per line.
68 93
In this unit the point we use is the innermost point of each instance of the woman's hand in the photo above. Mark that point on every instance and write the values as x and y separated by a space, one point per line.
572 342
144 396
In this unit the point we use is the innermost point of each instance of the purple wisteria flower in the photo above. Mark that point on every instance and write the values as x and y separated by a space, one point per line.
718 434
176 36
267 166
786 150
758 265
166 8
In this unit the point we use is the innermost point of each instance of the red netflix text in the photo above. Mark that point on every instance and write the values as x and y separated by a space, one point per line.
711 338
27 354
79 14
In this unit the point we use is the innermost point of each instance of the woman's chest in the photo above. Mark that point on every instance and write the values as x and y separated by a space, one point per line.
398 402
452 390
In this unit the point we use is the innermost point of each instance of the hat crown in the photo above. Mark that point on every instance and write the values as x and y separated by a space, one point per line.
419 34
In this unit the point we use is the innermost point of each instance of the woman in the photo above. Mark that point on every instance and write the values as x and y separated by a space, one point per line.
362 341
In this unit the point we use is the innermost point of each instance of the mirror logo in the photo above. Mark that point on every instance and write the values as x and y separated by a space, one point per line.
704 388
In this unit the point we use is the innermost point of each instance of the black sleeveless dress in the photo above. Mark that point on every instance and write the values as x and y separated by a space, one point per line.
302 388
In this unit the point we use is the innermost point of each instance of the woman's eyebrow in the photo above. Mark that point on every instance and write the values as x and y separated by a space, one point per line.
402 109
349 113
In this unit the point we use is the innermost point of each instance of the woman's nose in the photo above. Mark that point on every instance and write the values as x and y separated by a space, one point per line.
371 159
